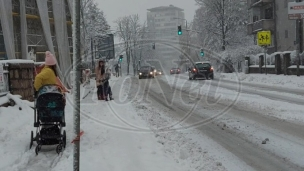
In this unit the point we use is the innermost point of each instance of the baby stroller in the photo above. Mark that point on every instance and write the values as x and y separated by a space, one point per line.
49 118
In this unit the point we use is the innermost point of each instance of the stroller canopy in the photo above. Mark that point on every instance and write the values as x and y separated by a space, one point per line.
52 88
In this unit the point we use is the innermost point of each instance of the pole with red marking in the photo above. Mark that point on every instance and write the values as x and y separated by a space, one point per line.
76 86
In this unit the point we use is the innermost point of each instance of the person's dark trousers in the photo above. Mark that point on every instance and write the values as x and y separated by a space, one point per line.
110 92
107 91
117 74
100 92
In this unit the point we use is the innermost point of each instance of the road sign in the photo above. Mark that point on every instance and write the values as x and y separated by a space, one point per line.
264 38
105 46
295 10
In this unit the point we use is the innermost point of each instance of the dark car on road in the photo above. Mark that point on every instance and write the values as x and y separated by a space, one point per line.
175 71
201 70
146 72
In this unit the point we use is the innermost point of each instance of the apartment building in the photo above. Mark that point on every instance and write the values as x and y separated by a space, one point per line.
162 22
28 28
273 15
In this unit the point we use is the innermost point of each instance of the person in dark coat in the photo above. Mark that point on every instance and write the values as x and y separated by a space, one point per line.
117 70
100 75
107 87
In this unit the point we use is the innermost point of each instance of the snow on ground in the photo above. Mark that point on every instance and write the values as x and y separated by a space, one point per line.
15 130
118 134
289 81
270 107
279 142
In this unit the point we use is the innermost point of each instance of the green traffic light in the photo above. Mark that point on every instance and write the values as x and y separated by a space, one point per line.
202 53
179 33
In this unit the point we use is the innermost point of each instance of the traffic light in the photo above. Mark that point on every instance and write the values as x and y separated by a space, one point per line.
202 52
179 30
153 46
120 58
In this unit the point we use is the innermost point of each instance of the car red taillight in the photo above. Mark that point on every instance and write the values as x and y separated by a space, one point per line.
194 70
211 69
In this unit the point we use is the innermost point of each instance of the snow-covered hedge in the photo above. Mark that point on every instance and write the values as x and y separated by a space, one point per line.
231 57
270 59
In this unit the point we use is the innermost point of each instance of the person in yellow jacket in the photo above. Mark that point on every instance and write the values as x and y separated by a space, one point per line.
48 74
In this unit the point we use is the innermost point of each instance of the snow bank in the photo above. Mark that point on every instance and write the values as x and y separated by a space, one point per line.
288 81
270 59
17 99
295 66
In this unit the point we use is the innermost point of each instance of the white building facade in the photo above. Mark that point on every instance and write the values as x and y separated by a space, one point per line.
162 24
30 27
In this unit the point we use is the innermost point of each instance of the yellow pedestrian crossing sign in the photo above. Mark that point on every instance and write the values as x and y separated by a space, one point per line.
264 38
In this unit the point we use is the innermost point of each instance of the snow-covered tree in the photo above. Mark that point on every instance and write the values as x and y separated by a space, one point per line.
124 33
93 23
224 21
136 31
134 36
223 29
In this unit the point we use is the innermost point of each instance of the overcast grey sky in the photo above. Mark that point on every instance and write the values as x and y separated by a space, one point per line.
113 9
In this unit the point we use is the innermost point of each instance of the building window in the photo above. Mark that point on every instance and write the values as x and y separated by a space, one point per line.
286 33
255 18
286 4
269 13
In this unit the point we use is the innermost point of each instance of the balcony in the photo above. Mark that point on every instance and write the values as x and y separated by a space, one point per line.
264 24
257 3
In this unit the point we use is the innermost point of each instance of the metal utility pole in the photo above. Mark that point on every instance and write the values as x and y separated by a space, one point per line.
77 74
299 25
92 53
265 53
188 37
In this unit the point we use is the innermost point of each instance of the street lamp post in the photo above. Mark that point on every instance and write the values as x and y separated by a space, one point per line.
92 53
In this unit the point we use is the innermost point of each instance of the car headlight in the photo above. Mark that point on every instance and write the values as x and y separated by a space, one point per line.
159 72
151 72
140 73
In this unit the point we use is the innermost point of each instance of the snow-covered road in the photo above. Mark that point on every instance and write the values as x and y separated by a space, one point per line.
240 130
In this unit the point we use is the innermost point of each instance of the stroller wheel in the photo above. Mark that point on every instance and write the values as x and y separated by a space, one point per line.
59 148
32 139
37 138
64 139
38 148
